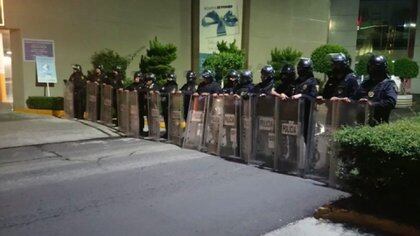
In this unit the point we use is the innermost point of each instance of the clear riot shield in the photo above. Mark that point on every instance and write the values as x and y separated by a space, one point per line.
153 115
246 128
176 122
106 104
68 100
345 114
264 131
213 124
193 137
134 126
123 110
228 135
321 153
290 145
92 101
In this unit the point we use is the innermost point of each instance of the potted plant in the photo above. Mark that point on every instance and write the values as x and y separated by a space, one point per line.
405 69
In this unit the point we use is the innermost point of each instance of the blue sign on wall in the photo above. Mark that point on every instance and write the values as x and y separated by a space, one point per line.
37 47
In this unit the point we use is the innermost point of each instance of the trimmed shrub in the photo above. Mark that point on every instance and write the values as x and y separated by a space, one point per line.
320 57
109 59
158 59
229 57
46 103
406 69
382 164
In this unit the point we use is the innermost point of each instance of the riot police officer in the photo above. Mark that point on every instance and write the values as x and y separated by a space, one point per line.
138 82
209 84
267 81
286 88
116 77
378 91
169 87
189 89
231 82
79 91
342 82
98 75
245 85
305 88
150 85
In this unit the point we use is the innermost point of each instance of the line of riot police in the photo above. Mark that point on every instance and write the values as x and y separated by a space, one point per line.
378 91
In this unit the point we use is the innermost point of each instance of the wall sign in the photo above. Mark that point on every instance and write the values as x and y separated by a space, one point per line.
219 20
45 69
37 47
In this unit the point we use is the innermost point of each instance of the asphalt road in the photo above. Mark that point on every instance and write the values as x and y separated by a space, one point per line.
135 187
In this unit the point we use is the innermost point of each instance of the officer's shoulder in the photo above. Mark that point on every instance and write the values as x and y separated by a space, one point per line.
352 76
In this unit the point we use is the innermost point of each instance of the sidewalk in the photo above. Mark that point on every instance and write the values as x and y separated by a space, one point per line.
22 129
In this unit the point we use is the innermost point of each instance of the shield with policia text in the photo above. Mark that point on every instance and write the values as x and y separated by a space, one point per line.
193 137
213 124
92 101
123 110
228 134
264 131
133 114
246 128
176 118
106 104
68 100
153 115
290 147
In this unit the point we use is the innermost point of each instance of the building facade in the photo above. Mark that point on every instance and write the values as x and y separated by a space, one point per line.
79 28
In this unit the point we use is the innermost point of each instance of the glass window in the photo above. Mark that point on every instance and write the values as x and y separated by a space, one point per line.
387 27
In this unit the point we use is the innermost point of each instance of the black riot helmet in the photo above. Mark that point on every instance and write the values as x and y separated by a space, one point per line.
100 67
208 76
77 67
246 77
377 67
191 76
138 75
117 69
339 62
305 67
150 77
233 76
287 73
267 72
171 77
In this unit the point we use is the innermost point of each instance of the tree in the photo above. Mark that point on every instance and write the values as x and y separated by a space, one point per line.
158 59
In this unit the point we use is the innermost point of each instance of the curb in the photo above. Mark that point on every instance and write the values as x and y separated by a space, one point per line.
43 112
364 220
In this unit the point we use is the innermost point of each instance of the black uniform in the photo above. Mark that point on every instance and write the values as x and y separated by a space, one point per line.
79 93
305 85
287 81
169 87
143 99
188 90
342 82
205 87
346 87
231 82
379 89
209 85
267 83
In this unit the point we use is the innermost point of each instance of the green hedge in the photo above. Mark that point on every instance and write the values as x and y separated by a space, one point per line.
322 62
382 164
47 103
